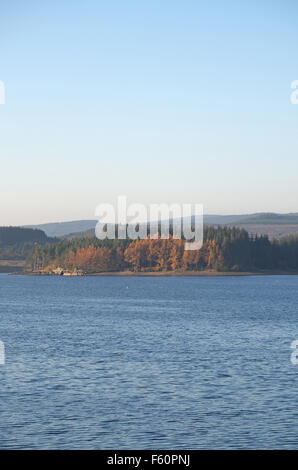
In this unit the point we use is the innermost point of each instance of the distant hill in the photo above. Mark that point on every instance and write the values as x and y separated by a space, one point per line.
59 229
85 228
77 228
271 219
263 218
224 219
82 228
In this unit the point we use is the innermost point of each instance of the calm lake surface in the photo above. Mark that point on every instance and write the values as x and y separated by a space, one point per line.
155 363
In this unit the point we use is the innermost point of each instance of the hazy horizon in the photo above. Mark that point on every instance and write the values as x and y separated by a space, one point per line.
95 218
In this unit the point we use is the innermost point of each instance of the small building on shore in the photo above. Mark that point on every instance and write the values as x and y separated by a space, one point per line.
58 271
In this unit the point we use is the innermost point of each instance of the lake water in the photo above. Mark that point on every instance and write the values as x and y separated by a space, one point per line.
147 362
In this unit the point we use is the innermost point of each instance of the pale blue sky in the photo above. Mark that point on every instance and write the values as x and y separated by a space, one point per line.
163 101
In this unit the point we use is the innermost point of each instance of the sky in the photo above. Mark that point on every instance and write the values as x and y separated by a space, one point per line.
162 101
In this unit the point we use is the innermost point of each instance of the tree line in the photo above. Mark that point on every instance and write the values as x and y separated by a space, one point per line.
224 249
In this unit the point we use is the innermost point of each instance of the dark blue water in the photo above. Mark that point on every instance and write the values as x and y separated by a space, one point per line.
155 363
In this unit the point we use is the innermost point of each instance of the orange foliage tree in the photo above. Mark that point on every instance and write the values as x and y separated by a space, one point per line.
92 259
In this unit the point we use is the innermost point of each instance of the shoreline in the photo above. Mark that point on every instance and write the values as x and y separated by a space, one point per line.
170 274
194 273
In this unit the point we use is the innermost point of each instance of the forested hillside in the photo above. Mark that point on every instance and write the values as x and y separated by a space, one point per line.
17 242
224 249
